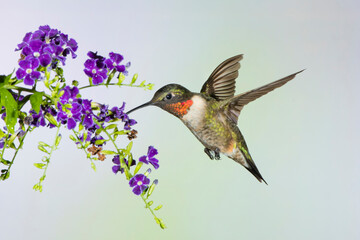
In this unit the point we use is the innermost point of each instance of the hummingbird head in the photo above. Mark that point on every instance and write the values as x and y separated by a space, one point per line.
172 98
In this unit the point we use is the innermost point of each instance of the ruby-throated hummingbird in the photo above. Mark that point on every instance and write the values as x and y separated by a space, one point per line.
212 114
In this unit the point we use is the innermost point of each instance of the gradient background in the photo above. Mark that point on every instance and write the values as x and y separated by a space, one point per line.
303 137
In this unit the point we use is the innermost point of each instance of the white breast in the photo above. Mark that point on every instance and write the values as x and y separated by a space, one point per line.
195 112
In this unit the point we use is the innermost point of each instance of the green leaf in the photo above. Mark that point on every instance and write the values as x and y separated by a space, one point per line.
99 142
150 203
121 78
44 144
39 165
4 80
108 152
128 148
41 148
158 207
134 79
137 168
11 108
5 175
51 119
5 162
93 166
111 126
35 101
57 140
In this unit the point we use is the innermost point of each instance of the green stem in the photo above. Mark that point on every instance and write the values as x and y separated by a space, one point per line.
17 150
110 84
82 146
117 149
53 148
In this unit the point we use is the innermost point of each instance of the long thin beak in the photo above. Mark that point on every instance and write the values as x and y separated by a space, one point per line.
141 106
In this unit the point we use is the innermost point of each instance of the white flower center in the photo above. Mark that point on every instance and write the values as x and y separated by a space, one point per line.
114 64
93 71
47 40
139 183
28 71
69 115
36 54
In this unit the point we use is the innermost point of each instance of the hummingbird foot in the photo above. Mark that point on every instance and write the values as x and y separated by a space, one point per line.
217 154
208 152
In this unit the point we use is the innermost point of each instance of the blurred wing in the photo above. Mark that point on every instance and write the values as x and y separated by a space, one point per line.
221 83
233 106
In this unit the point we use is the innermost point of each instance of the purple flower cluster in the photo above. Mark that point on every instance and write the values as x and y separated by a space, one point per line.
97 67
43 47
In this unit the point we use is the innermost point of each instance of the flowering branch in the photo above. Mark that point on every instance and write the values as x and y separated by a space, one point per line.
61 106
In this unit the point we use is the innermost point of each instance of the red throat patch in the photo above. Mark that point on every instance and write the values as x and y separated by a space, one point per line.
180 108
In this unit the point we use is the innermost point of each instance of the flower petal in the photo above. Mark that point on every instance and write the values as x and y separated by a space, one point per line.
45 60
71 124
137 190
20 73
29 81
143 159
152 151
116 168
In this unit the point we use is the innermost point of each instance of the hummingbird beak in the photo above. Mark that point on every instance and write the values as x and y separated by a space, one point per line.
141 106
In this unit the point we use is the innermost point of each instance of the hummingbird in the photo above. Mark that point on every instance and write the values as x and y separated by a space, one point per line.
212 114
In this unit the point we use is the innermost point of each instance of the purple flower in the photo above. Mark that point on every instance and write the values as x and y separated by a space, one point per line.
149 158
27 71
96 70
128 123
2 142
116 168
114 62
139 183
70 116
69 93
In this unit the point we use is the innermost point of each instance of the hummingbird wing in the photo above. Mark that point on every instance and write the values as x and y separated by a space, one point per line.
233 106
221 83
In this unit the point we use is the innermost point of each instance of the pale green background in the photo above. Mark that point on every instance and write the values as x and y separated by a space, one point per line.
304 137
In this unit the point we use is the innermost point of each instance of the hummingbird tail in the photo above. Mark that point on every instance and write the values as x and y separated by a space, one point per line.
254 171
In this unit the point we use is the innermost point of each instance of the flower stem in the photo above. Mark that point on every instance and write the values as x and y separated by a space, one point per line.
110 84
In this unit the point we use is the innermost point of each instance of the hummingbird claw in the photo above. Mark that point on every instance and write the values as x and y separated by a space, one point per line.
208 152
217 154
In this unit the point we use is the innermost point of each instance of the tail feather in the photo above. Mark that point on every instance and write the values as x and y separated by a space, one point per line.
254 171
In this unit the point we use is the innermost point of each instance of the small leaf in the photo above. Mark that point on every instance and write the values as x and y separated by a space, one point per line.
5 162
150 203
100 141
111 126
51 119
121 78
128 148
93 166
158 207
44 144
35 101
41 148
134 79
142 83
39 165
138 166
58 139
150 86
108 152
5 175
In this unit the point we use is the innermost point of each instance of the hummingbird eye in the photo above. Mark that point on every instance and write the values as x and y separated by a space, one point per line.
168 96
